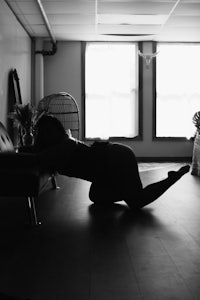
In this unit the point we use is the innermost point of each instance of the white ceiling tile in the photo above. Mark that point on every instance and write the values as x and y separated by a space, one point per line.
23 0
39 29
71 1
32 19
188 9
135 8
184 21
73 29
71 19
180 34
30 30
25 7
68 7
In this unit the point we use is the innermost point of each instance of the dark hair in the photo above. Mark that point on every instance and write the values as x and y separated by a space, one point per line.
49 132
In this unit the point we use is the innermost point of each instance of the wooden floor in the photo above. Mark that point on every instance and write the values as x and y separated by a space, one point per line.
84 253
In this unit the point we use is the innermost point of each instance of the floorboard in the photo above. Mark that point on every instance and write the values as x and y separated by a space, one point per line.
81 252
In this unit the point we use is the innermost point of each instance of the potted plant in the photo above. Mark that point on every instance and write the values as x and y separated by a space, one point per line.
25 118
196 121
196 147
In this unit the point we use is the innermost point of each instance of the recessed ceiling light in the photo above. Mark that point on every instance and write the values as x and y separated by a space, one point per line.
131 19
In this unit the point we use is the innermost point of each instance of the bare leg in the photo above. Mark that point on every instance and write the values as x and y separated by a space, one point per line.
121 181
101 193
153 191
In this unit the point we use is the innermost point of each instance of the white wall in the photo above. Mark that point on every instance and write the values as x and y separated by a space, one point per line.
62 72
15 53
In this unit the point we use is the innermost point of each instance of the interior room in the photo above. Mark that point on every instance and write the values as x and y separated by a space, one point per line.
121 72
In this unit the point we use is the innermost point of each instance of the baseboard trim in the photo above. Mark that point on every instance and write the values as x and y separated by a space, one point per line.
165 159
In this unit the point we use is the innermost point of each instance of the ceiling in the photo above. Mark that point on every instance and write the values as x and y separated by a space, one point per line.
103 20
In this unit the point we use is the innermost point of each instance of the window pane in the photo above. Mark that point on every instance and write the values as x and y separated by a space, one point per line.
178 89
111 105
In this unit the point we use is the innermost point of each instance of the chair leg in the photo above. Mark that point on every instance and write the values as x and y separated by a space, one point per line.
54 182
32 209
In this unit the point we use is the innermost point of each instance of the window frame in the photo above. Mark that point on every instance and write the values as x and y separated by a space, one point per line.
154 77
139 137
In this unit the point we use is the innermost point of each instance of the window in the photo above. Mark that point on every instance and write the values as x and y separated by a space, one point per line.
177 89
111 90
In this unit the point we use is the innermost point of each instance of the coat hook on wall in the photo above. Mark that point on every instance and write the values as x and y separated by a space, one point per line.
147 57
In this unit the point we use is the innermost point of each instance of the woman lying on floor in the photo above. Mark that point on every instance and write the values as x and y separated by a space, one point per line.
110 167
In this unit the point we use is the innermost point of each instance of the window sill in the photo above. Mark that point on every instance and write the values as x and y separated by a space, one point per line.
173 139
114 139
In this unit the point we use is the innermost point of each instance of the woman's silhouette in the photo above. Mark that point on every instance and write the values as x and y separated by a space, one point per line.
111 167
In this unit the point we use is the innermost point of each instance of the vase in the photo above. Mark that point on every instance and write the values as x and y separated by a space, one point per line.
27 138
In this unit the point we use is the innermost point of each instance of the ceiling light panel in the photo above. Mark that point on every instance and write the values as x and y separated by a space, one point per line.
131 19
128 29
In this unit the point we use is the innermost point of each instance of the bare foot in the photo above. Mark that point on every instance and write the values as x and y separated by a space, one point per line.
178 174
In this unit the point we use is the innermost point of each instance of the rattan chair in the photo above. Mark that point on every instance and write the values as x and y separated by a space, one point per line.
64 107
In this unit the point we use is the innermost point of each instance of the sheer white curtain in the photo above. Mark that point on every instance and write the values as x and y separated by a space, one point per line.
178 89
111 87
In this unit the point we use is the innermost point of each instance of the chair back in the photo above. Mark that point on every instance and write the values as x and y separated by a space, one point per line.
64 107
